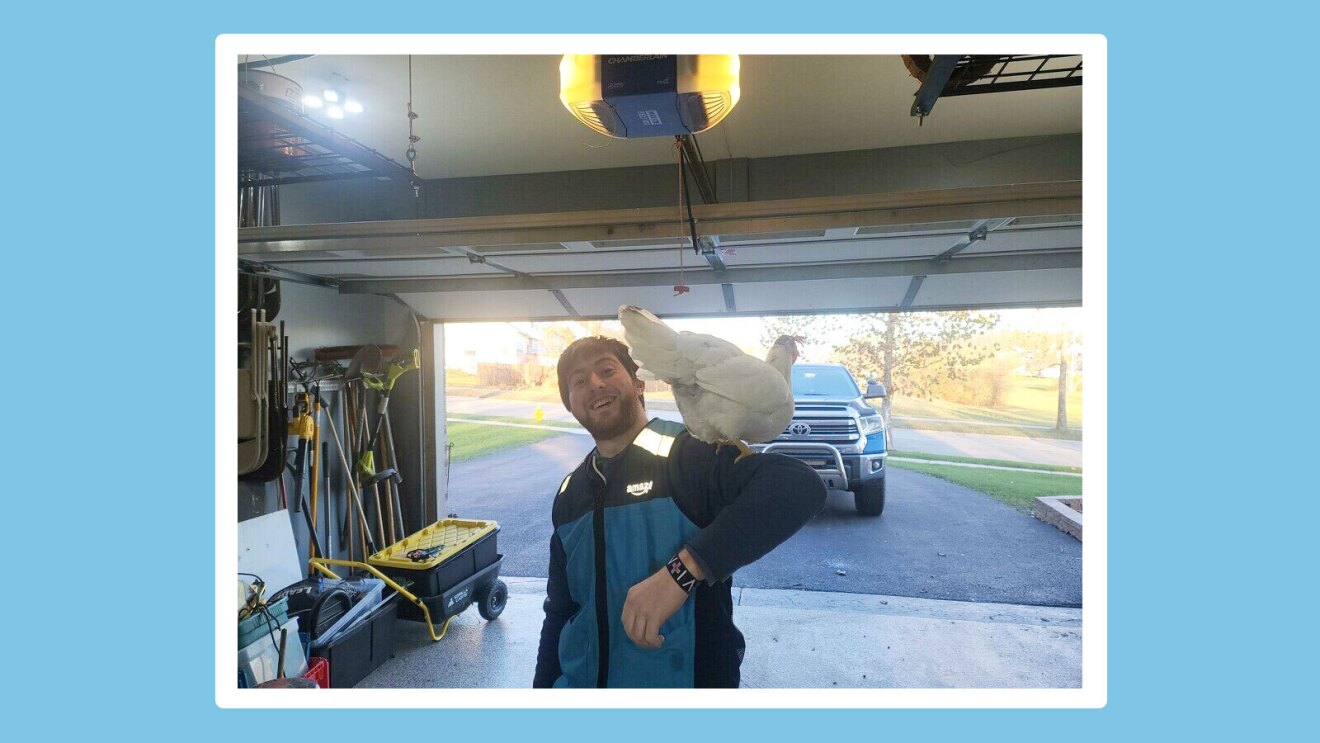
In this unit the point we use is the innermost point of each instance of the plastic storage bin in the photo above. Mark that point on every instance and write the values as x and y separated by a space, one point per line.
363 647
319 671
259 662
466 548
253 627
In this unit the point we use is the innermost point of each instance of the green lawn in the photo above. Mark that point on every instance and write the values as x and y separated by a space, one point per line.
472 440
1016 489
992 462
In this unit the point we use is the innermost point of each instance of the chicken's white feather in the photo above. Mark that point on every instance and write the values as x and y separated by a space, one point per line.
722 393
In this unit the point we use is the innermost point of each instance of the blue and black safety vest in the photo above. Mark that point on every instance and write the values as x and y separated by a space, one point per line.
617 522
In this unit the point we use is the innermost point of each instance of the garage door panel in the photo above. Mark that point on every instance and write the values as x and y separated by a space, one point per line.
483 306
392 268
702 299
1049 286
778 296
1026 240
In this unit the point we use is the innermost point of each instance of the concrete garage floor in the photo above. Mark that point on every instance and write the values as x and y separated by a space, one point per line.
795 639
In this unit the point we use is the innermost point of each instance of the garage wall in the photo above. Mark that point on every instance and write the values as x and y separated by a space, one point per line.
951 165
899 169
355 200
315 317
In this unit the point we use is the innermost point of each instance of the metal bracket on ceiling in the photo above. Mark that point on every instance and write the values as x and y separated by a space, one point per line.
912 290
708 246
729 304
977 233
255 268
479 258
931 88
563 301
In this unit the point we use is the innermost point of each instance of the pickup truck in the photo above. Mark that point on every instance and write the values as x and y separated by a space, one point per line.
837 432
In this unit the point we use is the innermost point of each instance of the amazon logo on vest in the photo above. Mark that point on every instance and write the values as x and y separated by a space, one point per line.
639 489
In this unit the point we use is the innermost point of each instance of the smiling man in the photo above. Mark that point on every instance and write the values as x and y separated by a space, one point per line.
648 531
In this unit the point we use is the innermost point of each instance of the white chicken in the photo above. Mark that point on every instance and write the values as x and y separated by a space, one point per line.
724 395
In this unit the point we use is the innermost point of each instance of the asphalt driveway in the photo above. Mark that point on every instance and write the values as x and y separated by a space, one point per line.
935 540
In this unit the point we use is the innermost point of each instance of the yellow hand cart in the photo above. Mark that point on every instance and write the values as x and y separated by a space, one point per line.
440 571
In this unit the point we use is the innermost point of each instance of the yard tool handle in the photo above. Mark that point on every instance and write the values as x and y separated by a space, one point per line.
320 564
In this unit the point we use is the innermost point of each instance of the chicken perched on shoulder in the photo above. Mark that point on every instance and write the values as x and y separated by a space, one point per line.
724 395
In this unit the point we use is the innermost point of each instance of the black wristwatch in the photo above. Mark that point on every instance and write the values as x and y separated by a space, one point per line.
679 572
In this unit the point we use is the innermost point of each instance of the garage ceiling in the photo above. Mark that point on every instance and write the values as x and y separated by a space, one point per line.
497 115
992 246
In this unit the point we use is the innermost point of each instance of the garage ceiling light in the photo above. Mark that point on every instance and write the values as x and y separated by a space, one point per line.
335 99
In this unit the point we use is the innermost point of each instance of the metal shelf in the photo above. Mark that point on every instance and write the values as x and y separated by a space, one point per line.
1002 73
278 146
954 74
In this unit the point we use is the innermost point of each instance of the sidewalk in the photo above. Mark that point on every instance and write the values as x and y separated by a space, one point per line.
795 639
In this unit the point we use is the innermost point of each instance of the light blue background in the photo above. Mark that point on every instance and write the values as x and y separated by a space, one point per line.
108 127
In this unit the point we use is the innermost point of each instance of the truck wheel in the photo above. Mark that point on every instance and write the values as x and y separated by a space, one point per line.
869 497
492 599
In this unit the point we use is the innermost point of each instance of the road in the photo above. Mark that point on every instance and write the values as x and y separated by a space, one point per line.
983 445
935 540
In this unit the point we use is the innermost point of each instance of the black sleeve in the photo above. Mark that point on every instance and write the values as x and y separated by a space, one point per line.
744 509
559 606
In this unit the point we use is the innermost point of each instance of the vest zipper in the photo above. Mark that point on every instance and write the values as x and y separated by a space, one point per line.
602 610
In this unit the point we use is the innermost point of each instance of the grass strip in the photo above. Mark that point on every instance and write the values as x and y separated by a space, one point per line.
992 462
1015 489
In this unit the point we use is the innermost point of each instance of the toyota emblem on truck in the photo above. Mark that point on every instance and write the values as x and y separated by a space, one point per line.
799 429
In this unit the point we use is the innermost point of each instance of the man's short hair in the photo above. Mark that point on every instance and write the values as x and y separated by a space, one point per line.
592 346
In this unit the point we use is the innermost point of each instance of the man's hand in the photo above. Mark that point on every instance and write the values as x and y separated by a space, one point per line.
651 602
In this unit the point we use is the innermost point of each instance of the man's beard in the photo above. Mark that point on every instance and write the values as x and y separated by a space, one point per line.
616 425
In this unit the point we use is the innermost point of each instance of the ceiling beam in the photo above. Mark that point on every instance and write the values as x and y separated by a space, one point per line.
748 217
1033 261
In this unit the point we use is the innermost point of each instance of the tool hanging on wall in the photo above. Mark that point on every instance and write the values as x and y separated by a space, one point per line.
254 401
316 465
392 462
304 427
384 385
364 536
329 501
271 347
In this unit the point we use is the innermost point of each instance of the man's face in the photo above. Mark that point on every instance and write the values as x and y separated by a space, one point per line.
602 396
